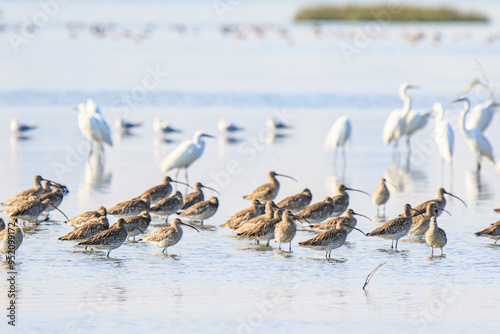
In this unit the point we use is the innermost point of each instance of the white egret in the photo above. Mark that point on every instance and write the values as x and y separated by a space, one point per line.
339 134
225 126
481 115
414 122
394 127
443 134
476 140
15 126
93 125
163 127
185 154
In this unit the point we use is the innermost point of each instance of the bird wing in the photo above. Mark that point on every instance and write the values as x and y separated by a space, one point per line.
195 209
482 145
182 156
100 130
445 140
392 127
159 235
339 133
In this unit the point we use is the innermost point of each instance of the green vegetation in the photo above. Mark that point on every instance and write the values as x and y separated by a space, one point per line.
387 13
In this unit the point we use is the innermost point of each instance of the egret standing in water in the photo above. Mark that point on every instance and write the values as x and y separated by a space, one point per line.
93 125
394 127
339 135
414 122
443 134
185 154
481 115
476 140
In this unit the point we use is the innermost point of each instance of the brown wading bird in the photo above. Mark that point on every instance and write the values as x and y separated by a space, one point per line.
87 230
341 201
136 224
24 195
196 196
201 210
420 223
169 205
161 191
264 230
435 236
47 188
318 212
396 228
245 215
132 207
109 239
11 238
55 197
268 213
440 201
86 216
381 195
167 236
268 191
492 231
330 239
285 230
296 203
348 220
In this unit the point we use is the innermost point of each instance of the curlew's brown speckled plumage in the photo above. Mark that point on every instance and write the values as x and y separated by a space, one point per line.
264 230
381 195
348 220
24 195
132 207
396 228
245 215
268 213
285 230
420 223
435 236
268 191
169 205
341 201
201 210
161 191
167 236
297 202
55 198
88 229
492 231
11 238
27 210
86 216
196 196
137 224
318 212
108 240
440 201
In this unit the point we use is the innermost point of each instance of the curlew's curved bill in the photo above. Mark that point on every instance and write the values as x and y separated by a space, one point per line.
286 176
456 197
189 226
181 183
359 214
354 228
361 191
211 189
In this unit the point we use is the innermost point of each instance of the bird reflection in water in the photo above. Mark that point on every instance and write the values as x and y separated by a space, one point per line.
95 177
475 187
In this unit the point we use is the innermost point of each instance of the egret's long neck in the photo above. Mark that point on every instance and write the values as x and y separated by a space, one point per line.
465 111
407 102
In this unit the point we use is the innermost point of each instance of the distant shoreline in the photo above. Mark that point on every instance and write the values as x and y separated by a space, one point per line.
387 13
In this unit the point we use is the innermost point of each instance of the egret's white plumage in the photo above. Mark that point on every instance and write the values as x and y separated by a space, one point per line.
185 154
394 127
339 133
415 121
481 115
225 126
93 125
476 140
163 127
443 134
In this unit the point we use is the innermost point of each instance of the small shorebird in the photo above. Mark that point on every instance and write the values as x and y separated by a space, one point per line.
285 230
47 188
245 215
341 201
275 125
167 236
440 201
125 126
264 230
201 210
196 196
109 239
435 236
163 127
55 198
396 228
269 211
225 126
492 231
86 216
24 195
28 209
17 127
297 202
330 239
161 191
381 195
420 223
136 224
318 212
348 220
132 207
169 205
87 230
11 238
268 191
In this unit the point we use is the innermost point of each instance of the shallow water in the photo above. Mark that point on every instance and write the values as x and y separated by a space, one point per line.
213 282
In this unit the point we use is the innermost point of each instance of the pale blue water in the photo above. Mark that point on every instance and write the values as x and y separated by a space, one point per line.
213 282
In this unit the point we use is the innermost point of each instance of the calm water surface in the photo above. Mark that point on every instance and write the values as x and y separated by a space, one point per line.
213 282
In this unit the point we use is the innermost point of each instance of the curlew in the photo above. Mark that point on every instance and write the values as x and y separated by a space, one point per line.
161 191
86 216
269 211
440 201
167 236
132 207
318 212
24 195
268 191
285 230
137 224
196 196
381 195
396 228
201 210
297 202
348 220
11 238
435 236
169 205
264 230
420 223
330 239
87 230
492 231
109 239
341 201
244 215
